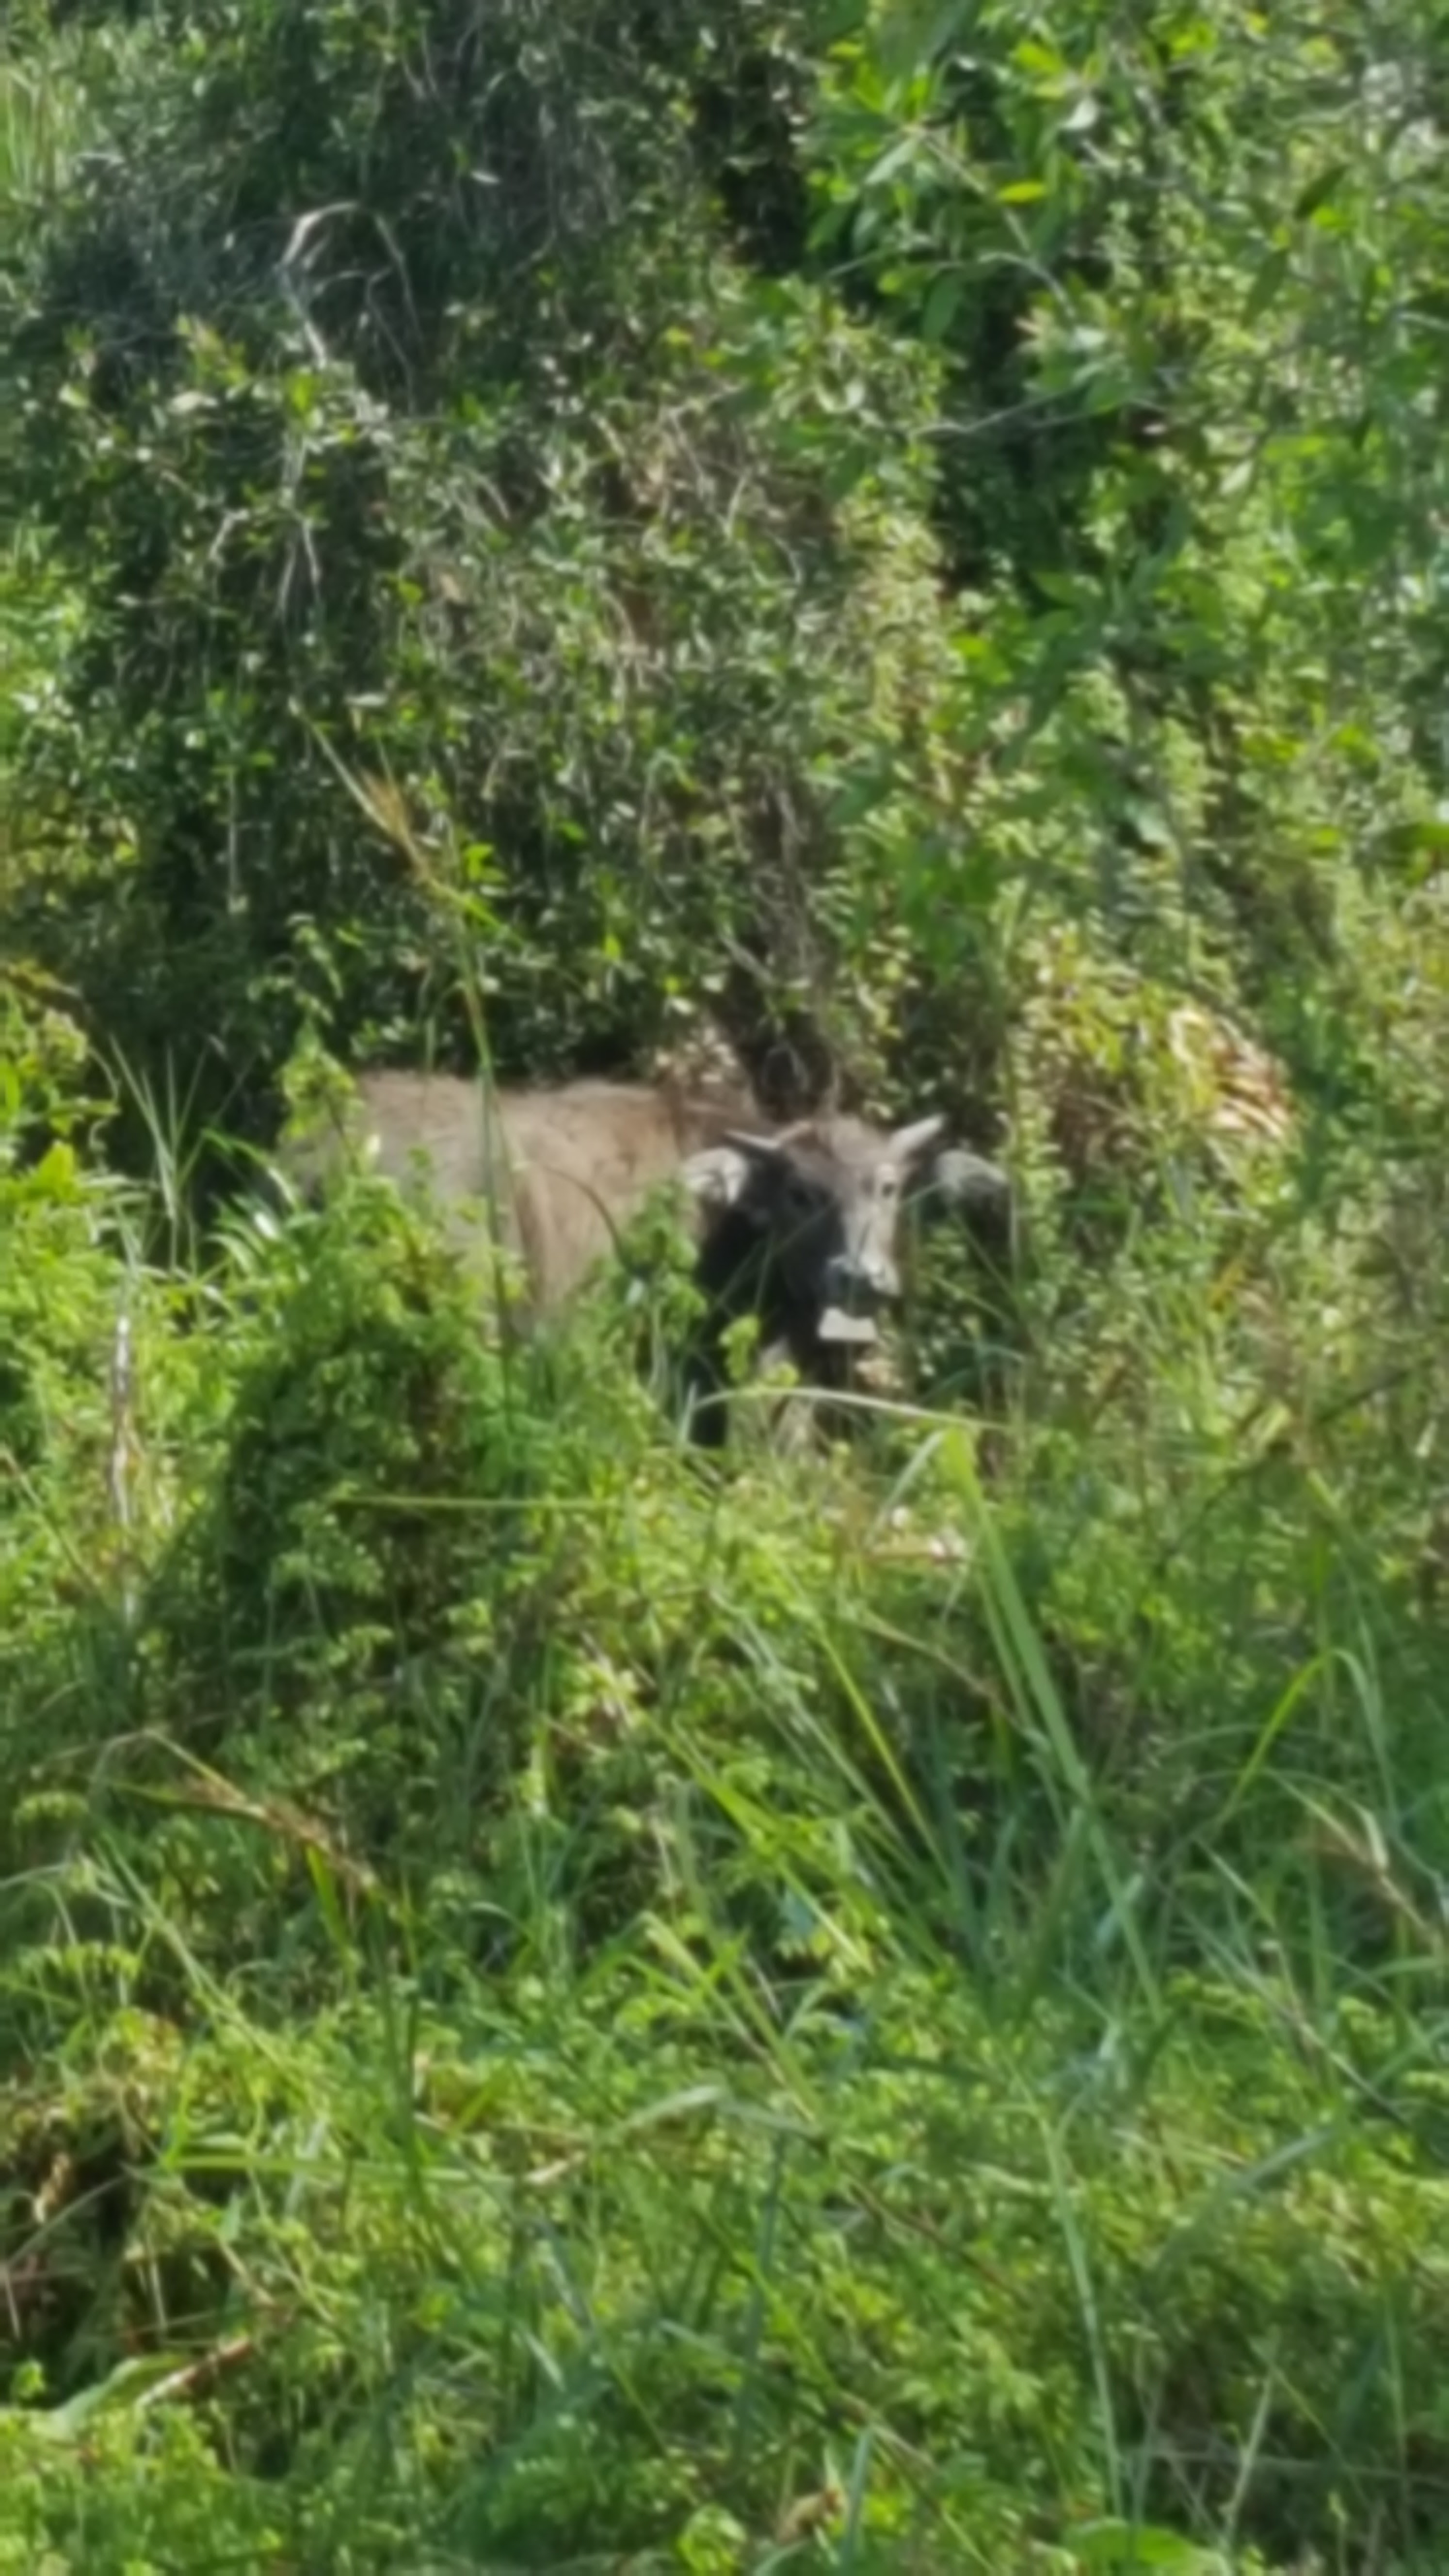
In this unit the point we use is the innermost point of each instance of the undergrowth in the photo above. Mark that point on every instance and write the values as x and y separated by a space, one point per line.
883 2010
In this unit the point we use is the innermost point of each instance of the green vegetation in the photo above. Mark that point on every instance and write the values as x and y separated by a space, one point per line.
563 2007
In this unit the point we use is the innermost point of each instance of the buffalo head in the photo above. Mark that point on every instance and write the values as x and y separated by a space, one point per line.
803 1227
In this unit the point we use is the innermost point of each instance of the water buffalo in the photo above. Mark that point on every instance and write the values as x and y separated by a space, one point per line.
800 1226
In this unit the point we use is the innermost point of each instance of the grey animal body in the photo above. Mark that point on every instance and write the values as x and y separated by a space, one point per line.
550 1174
800 1226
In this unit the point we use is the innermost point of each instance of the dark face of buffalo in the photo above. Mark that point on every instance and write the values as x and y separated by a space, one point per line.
804 1229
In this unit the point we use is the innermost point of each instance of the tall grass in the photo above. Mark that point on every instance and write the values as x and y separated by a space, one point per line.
51 102
559 2004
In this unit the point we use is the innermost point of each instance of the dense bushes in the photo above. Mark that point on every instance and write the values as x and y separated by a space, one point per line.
558 1998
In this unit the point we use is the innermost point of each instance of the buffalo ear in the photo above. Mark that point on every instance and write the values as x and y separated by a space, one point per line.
976 1193
965 1179
908 1144
716 1176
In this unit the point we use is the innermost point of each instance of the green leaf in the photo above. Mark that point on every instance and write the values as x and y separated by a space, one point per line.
128 2381
1430 832
1266 284
1318 191
942 304
1032 57
1114 2543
